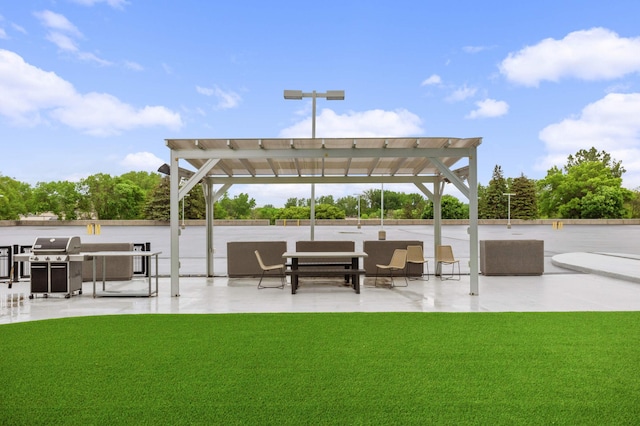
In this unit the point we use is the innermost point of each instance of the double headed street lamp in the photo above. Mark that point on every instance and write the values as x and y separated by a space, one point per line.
330 95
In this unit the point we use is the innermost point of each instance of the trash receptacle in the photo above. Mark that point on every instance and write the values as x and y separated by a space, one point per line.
382 235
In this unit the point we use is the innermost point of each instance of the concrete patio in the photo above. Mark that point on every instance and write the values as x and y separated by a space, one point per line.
612 284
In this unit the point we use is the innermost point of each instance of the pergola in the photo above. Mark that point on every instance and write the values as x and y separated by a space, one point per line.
427 162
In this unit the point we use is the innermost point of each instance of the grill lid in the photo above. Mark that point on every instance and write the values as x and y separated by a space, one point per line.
68 245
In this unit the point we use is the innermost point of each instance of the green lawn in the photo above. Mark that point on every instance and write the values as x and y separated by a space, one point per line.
334 368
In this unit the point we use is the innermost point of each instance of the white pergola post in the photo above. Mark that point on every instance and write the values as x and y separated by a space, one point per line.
174 201
472 179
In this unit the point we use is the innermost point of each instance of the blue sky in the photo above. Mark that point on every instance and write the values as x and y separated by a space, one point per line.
95 86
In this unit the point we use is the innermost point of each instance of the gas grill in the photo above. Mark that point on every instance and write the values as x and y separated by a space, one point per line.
56 266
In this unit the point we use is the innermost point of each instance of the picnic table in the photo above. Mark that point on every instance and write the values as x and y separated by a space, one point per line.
325 264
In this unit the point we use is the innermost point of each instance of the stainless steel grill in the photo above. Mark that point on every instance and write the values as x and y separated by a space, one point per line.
54 249
56 266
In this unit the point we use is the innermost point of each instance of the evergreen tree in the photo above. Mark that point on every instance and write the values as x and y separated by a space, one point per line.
496 201
157 206
524 204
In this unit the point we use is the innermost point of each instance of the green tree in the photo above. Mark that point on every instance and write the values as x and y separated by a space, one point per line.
241 206
634 203
15 198
413 205
592 155
294 212
452 208
325 199
266 212
550 198
195 204
349 205
589 187
147 181
61 198
524 203
157 206
495 202
238 207
112 198
130 200
328 211
482 201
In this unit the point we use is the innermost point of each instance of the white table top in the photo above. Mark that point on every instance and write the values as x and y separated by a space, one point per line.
121 253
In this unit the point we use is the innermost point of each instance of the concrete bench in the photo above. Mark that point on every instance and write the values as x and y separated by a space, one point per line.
118 268
512 257
354 274
241 259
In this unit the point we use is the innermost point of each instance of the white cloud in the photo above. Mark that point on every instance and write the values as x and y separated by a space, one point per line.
116 4
3 34
27 92
63 41
474 49
101 114
167 69
226 99
489 108
90 57
134 66
434 79
204 91
18 28
144 161
58 22
594 54
64 34
461 94
372 123
610 124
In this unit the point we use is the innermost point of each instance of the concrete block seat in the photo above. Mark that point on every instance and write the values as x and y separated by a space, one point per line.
118 268
241 258
380 252
512 257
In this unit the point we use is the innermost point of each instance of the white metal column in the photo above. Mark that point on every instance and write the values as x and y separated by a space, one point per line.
473 222
175 224
437 218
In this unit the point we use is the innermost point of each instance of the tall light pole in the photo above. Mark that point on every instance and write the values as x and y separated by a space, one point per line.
359 226
330 95
509 194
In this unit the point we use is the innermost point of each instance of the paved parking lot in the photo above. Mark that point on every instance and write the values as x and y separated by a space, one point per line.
571 238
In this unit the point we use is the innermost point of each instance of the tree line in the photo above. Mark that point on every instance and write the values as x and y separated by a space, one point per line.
589 185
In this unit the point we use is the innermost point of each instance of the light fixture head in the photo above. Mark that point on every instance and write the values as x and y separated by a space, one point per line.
165 169
335 95
293 94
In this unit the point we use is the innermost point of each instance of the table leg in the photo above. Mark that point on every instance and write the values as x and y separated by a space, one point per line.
294 276
355 278
94 275
104 272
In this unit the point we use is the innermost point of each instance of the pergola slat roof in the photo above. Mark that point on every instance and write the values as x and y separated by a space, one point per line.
323 157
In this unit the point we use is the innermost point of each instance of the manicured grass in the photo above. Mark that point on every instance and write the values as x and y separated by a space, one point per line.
335 368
